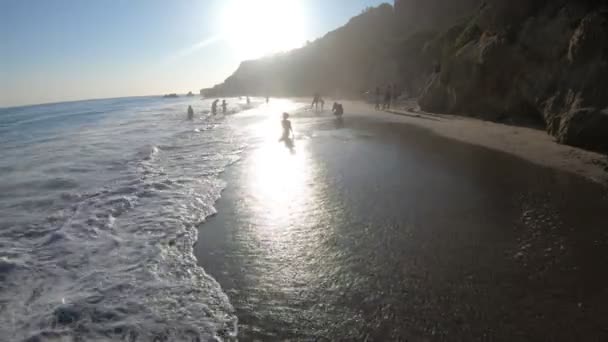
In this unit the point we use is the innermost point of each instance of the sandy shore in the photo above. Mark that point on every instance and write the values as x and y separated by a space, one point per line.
533 145
380 227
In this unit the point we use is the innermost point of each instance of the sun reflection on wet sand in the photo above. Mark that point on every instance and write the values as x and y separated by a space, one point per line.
375 232
281 184
284 209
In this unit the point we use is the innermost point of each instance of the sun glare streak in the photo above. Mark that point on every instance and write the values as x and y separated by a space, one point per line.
192 49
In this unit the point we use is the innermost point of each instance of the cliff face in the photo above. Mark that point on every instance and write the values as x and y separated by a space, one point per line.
541 62
434 15
528 61
345 61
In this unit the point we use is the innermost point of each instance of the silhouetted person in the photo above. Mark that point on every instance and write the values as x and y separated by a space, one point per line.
190 113
378 98
214 107
395 96
267 99
287 129
387 98
322 104
437 67
337 109
315 101
248 101
224 106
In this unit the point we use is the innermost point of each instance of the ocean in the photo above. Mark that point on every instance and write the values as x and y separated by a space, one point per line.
100 202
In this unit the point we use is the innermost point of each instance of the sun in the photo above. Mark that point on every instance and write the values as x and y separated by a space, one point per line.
259 27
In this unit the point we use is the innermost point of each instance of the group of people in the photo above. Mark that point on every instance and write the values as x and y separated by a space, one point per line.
317 101
214 106
288 136
390 96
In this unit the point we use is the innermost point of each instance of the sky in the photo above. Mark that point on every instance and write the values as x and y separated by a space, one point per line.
63 50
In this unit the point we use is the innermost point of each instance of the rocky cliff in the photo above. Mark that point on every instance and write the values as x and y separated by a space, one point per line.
540 62
343 62
527 61
433 15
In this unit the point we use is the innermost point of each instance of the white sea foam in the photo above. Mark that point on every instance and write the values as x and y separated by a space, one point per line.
100 208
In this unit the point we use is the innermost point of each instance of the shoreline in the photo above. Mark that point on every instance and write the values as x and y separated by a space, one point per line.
380 228
533 145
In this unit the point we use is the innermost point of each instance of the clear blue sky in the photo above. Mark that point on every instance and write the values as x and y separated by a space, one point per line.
58 50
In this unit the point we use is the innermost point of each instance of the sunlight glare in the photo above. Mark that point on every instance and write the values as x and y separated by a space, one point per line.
280 180
259 27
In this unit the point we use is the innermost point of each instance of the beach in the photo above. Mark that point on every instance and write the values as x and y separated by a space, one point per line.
122 219
272 170
415 227
531 144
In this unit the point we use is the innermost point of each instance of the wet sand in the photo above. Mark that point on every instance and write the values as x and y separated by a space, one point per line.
377 229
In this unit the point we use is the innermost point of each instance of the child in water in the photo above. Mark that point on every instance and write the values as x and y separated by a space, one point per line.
287 130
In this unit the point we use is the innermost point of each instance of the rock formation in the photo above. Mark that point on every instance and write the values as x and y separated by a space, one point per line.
540 62
435 15
343 62
529 61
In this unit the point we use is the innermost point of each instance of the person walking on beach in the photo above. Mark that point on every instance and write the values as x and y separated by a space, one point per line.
190 113
395 96
214 107
387 98
224 106
378 98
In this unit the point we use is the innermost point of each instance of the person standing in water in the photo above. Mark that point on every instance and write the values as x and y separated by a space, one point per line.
315 101
267 99
248 101
395 97
338 109
190 113
378 98
287 129
387 98
214 107
224 106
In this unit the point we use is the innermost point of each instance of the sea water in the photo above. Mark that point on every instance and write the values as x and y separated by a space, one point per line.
99 204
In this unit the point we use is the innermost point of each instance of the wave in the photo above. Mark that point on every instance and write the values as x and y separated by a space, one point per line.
116 262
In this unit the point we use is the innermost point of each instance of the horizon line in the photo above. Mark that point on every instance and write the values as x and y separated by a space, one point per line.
82 100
